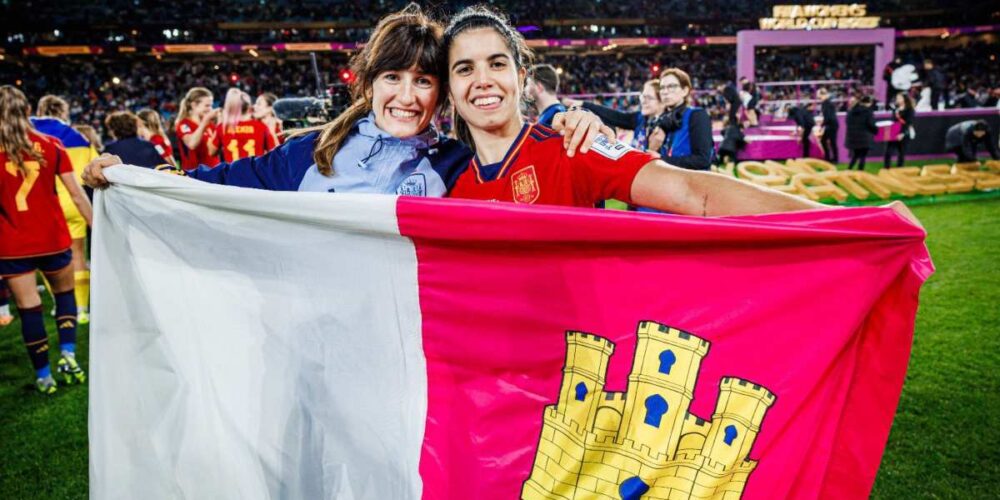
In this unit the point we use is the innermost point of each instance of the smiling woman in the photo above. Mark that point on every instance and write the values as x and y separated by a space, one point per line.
385 141
525 163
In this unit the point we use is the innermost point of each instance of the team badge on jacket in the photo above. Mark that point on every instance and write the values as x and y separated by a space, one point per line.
525 185
414 185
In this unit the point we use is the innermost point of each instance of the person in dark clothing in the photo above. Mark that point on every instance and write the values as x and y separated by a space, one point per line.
935 79
731 94
733 141
804 123
542 91
890 90
903 115
968 99
684 135
830 127
641 122
753 114
964 139
124 127
861 129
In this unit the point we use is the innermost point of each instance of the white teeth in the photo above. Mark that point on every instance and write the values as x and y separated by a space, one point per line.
402 113
485 101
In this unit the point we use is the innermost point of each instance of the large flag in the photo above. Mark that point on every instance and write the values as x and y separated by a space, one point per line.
264 345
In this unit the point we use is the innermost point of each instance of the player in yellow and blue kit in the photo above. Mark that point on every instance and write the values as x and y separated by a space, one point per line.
53 119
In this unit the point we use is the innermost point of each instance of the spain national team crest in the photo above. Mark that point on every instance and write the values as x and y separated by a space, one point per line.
643 443
524 182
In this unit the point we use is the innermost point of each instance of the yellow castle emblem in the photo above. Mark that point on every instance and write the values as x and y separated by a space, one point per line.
643 443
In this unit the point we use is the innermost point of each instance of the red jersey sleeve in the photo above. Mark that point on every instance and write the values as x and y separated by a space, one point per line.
185 127
269 140
63 164
606 171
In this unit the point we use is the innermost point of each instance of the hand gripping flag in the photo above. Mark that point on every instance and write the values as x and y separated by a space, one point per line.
264 345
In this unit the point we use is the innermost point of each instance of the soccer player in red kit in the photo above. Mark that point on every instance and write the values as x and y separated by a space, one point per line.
34 235
242 136
196 130
522 163
152 131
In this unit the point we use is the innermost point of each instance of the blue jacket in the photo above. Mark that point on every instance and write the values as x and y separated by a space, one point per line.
369 161
135 151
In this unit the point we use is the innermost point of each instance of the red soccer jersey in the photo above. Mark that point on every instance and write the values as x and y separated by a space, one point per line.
199 156
31 220
244 139
537 170
162 145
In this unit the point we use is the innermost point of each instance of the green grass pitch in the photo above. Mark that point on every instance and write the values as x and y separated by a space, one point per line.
943 442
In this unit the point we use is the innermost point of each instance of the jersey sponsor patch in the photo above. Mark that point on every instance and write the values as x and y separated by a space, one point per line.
604 147
414 185
524 182
185 128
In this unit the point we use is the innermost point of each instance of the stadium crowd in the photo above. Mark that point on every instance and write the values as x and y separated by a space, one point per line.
100 85
160 21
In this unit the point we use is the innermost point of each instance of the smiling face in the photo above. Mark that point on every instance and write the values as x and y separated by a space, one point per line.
649 101
484 81
201 107
672 93
261 108
404 101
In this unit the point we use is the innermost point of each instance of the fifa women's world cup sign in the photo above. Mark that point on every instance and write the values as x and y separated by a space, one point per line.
819 17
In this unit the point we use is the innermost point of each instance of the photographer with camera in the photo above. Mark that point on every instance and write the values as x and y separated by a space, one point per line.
684 133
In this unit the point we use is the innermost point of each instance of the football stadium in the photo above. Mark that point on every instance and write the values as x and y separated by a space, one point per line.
547 249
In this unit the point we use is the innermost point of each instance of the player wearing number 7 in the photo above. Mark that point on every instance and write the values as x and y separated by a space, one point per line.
242 135
34 236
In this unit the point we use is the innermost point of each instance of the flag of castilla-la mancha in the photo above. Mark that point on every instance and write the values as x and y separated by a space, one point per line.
264 345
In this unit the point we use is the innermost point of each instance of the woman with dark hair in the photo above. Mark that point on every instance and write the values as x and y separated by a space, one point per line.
525 163
903 115
384 142
124 129
263 110
861 129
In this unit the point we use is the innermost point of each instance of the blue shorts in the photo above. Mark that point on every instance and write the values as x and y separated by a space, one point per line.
46 263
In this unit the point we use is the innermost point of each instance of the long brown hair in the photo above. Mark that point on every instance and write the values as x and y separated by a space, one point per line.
14 127
151 119
400 41
476 17
189 99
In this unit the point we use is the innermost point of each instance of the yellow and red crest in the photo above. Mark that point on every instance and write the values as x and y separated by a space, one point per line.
525 185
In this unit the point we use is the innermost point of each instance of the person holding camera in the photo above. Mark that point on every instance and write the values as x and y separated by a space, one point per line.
683 135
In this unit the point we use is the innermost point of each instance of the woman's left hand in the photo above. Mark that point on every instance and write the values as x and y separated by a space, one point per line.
580 128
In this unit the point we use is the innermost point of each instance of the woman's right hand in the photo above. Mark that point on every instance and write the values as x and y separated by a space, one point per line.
93 173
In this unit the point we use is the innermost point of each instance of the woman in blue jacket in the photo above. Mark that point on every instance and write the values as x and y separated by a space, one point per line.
384 142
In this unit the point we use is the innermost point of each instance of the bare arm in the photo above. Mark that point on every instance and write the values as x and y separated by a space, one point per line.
79 198
193 139
690 192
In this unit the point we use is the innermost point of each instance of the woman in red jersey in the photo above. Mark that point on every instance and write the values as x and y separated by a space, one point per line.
34 236
242 136
263 110
525 163
196 129
152 131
